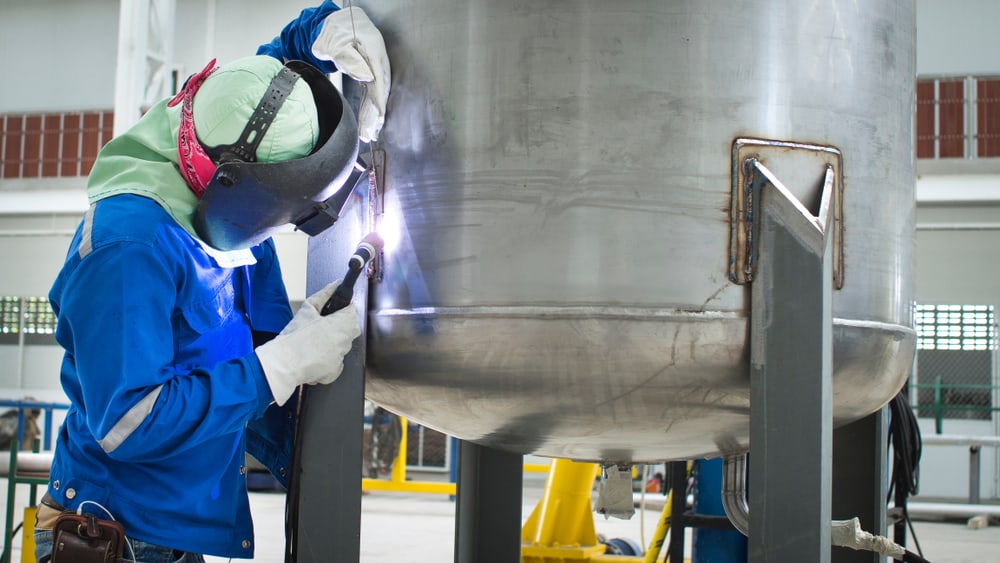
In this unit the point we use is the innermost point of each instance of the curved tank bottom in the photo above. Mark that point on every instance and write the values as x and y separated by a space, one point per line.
603 384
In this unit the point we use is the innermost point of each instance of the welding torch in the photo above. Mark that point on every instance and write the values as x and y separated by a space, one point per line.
367 249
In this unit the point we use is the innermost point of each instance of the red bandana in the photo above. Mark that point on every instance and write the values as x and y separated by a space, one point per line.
196 166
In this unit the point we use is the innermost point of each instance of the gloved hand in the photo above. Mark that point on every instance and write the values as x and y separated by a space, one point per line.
355 45
311 349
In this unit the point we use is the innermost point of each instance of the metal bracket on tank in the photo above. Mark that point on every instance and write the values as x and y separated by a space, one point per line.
376 204
759 161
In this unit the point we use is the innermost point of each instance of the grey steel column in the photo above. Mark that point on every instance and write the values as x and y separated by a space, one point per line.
326 527
859 480
329 503
488 505
790 384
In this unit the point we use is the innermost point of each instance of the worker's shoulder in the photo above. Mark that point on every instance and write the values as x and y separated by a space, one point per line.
129 218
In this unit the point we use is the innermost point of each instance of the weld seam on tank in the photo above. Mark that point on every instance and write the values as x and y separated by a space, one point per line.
877 325
560 311
538 312
574 311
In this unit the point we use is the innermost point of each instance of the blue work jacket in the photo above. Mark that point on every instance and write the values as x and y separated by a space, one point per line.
162 379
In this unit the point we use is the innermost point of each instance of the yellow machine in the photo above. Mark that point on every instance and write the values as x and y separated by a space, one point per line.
28 536
561 527
397 479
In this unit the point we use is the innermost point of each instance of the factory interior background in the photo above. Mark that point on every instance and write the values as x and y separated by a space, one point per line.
57 103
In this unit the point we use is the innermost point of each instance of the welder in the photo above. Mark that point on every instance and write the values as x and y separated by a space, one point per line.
182 354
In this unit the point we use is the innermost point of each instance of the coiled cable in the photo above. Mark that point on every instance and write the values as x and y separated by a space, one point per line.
904 436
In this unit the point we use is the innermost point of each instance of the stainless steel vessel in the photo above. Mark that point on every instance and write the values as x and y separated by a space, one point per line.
560 176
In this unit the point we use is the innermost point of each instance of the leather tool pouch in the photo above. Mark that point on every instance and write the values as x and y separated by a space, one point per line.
85 538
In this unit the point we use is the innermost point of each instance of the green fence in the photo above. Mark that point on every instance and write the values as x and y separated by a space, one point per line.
940 400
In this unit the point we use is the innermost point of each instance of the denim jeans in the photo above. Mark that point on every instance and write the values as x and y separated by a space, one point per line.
144 552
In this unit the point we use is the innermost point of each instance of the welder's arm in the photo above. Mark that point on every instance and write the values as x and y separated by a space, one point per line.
142 400
332 39
268 301
269 438
355 45
311 349
296 39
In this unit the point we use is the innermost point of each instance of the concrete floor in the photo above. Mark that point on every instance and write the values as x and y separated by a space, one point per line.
419 528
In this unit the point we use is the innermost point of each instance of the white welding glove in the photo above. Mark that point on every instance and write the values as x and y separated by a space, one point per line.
355 45
311 349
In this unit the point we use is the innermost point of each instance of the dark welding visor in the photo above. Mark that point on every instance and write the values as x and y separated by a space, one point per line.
247 201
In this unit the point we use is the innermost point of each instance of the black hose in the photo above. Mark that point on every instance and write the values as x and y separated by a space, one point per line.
904 435
910 557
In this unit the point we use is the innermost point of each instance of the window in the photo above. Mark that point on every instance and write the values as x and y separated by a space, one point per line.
988 117
30 318
10 315
954 327
955 348
52 144
958 117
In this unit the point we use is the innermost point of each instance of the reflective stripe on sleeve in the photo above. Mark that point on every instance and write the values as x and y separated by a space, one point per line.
128 423
88 224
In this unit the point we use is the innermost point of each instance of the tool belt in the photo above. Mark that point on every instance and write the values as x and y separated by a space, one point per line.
47 514
84 538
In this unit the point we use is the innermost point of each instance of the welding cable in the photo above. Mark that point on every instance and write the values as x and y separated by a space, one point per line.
910 557
904 435
848 533
906 444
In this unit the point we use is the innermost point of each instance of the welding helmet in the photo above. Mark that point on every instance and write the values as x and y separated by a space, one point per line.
263 145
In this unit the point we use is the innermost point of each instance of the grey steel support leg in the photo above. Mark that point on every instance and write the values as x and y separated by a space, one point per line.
326 527
790 387
488 510
329 501
859 480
